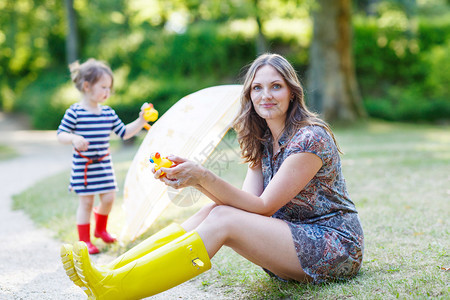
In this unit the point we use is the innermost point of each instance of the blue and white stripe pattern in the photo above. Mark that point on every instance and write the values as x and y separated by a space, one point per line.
96 129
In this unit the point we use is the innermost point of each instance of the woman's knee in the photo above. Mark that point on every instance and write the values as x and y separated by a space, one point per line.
209 207
224 216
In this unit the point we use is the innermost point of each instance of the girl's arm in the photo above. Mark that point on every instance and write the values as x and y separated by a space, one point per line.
78 142
131 129
296 171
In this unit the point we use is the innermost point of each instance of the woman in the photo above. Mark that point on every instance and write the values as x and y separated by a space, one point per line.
293 216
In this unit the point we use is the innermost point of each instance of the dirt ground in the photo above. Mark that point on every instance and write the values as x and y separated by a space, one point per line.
30 266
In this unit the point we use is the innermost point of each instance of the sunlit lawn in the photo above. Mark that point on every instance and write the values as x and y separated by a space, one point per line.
6 152
398 175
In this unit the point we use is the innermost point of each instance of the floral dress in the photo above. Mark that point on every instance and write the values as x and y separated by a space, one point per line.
324 223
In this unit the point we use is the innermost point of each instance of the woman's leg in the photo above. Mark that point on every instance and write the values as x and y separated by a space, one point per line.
195 220
170 265
264 241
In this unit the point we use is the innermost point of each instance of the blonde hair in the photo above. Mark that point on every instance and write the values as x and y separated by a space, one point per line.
251 128
90 71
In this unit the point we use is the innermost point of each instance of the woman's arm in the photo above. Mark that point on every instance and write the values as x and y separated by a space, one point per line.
253 184
209 195
254 181
296 171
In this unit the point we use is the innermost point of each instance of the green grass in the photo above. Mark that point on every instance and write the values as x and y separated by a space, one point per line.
6 152
398 175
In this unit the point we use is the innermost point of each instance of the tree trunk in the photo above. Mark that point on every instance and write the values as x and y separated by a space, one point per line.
261 43
332 86
72 33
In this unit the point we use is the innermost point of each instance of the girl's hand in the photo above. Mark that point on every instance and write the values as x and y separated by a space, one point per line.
80 143
184 173
141 113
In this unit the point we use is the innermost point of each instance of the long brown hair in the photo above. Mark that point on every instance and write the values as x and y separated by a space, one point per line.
251 128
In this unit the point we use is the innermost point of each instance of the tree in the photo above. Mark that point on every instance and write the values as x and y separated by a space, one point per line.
72 33
261 43
332 87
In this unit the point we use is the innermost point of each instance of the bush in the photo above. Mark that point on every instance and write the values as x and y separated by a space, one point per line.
437 82
155 66
404 77
408 104
46 98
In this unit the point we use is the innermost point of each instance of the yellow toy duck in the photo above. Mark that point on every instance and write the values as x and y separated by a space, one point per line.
150 114
160 162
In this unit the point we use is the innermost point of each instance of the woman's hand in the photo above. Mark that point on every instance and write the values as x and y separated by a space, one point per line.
184 173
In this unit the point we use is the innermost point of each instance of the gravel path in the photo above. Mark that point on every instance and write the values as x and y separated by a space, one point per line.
30 266
29 257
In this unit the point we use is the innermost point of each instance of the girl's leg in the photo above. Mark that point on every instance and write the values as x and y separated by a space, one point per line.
101 216
264 241
85 205
84 221
106 203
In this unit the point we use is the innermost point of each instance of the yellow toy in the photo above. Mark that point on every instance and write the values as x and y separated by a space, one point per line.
150 114
160 162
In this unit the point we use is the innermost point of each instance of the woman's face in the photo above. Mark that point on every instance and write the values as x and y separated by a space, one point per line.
270 94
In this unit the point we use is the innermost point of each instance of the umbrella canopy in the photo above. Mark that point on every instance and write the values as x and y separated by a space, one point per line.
192 128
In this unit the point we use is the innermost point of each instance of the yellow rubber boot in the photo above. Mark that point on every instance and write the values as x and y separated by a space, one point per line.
159 270
67 260
153 242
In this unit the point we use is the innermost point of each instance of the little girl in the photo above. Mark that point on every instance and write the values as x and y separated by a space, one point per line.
87 125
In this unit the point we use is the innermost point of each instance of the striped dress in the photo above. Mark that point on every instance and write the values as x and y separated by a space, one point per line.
99 175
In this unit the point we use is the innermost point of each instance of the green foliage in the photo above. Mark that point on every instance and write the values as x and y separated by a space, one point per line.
31 38
149 68
408 104
162 52
402 76
206 52
437 82
46 99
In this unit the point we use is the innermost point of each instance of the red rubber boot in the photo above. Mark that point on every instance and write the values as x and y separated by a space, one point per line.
100 228
84 233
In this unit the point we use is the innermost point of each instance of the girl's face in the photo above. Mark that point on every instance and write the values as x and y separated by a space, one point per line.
100 91
270 94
